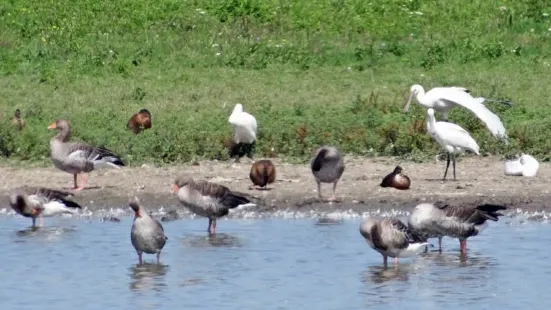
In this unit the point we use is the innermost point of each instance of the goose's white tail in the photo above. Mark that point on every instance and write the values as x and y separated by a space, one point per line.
53 208
243 207
104 163
414 248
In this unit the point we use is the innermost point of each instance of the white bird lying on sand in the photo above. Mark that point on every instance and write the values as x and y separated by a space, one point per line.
391 237
443 99
525 165
244 131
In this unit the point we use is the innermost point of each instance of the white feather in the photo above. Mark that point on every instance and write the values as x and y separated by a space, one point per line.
513 167
443 99
413 249
244 125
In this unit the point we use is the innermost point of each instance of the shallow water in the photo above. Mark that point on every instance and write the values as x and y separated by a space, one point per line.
265 263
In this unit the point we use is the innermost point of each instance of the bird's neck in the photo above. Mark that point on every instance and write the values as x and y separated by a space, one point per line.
63 135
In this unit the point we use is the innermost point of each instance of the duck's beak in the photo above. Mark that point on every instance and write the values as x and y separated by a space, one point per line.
174 188
52 126
406 108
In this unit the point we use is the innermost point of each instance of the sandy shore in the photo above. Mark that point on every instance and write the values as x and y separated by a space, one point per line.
480 180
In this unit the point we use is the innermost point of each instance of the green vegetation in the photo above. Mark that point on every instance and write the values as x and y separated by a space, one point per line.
312 72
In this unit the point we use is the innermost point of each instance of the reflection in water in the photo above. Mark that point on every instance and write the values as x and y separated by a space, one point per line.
447 259
47 232
381 274
216 240
148 276
323 221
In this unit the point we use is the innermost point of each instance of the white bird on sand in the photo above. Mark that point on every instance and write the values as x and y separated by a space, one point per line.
244 131
451 137
391 237
438 220
525 165
443 99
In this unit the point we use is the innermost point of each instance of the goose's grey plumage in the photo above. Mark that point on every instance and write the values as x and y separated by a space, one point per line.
327 167
207 199
391 237
439 220
78 158
147 234
41 202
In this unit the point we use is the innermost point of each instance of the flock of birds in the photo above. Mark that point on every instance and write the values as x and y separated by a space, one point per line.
390 237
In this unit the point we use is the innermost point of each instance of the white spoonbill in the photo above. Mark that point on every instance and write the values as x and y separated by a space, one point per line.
244 132
525 165
443 99
451 137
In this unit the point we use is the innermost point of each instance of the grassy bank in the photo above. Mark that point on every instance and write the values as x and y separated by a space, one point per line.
312 73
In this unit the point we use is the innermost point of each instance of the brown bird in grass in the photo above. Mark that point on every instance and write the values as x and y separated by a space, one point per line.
262 173
17 120
396 179
139 121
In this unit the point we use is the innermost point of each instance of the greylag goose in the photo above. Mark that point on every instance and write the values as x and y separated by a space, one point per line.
41 202
139 121
207 199
396 179
451 137
147 234
244 132
78 158
327 167
439 220
391 237
262 173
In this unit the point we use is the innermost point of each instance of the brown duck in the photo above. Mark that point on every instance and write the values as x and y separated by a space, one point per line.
262 173
17 120
139 121
396 179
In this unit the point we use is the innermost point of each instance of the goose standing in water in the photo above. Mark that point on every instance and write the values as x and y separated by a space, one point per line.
439 220
391 237
525 165
41 202
452 138
147 234
244 132
396 179
207 199
262 173
78 158
327 167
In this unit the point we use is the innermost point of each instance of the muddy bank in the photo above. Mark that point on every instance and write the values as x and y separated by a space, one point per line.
480 180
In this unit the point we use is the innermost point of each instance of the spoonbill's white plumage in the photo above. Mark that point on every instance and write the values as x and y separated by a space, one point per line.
525 165
451 137
244 129
443 99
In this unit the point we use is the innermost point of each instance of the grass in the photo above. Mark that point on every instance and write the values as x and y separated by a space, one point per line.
326 72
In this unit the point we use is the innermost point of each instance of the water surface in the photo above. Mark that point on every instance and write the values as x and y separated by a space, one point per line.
265 263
